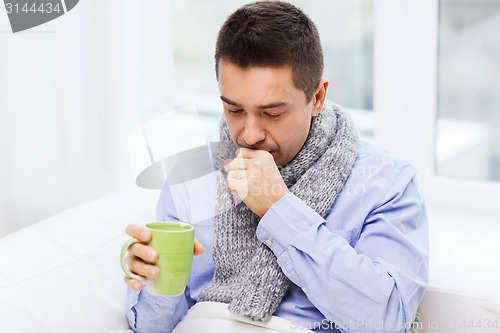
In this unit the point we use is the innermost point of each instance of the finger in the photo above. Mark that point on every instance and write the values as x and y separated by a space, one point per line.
235 164
141 268
133 283
140 232
249 159
247 153
251 156
229 189
144 252
198 248
234 184
238 187
243 152
237 174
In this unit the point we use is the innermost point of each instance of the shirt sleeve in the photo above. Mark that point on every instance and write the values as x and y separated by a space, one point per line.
150 313
373 283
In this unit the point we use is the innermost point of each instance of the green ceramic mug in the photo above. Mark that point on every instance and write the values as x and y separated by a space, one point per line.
174 242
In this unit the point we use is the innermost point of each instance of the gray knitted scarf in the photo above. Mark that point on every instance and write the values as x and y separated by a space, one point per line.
247 275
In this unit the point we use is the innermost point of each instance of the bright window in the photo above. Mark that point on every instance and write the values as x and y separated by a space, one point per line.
409 103
468 126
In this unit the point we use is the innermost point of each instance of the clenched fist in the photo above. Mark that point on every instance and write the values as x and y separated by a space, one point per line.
255 178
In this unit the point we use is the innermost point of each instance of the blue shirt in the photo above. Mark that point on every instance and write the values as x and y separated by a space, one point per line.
363 268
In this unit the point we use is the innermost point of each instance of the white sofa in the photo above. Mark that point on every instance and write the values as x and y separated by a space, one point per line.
63 274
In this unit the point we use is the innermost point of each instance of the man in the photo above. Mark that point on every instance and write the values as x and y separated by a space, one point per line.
300 221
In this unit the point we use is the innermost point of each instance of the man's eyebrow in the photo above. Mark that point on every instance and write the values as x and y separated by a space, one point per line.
228 101
266 106
273 105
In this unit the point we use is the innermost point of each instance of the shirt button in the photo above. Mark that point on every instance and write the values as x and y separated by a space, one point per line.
304 290
269 242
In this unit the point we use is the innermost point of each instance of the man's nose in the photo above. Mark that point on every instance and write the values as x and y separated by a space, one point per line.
253 132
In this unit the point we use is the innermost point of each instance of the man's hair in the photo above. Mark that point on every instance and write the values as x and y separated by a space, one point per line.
273 34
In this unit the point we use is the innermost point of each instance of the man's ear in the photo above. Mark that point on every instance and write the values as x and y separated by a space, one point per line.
319 96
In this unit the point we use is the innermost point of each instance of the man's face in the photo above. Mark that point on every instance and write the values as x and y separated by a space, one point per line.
264 110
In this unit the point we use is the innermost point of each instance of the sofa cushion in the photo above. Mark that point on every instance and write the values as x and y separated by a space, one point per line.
63 274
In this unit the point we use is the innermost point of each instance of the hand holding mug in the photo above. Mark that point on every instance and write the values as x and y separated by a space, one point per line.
139 263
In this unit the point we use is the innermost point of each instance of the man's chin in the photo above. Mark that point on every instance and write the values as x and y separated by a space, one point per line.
277 158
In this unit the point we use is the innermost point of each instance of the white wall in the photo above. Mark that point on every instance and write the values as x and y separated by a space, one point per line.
71 91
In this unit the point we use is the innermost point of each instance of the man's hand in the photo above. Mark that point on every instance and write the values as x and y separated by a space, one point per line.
141 257
255 178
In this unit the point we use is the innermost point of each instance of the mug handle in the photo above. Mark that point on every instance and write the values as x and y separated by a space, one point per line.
125 268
